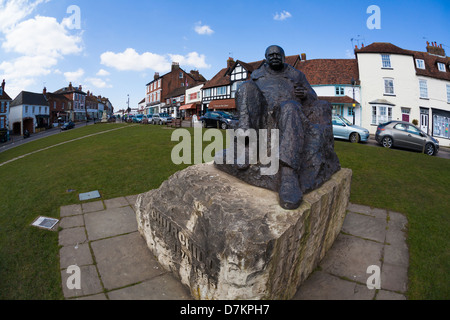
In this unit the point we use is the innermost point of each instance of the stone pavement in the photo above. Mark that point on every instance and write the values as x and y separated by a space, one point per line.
102 239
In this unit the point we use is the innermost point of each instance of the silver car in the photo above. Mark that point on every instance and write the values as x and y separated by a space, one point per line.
405 135
344 129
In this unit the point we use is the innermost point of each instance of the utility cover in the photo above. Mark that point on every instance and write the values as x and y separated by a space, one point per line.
89 196
45 223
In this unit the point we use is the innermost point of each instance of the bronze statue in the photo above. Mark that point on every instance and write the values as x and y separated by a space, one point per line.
280 97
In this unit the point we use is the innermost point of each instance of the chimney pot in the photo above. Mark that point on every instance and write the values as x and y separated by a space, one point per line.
304 56
156 75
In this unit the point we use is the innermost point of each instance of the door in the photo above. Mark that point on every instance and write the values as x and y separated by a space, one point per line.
424 123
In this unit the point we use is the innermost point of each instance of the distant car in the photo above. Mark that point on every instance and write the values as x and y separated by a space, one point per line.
68 126
405 135
112 119
220 120
138 118
161 118
344 129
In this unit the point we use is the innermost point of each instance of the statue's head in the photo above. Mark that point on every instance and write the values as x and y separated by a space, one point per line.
275 57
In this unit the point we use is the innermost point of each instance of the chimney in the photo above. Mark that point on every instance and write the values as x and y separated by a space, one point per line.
175 66
3 84
80 88
303 56
195 73
156 76
44 91
88 93
70 86
230 62
435 49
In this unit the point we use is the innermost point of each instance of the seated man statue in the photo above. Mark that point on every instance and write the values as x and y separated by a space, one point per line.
279 97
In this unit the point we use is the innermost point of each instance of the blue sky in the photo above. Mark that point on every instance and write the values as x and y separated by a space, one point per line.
117 46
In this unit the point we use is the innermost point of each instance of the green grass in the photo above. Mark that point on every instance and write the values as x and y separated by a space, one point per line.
137 159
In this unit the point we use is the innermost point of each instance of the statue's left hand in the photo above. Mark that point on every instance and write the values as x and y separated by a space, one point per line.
301 92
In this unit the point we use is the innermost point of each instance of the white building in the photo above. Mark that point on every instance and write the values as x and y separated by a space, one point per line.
29 111
193 102
399 84
336 81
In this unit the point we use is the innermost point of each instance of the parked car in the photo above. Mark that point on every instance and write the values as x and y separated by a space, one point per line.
4 135
68 125
219 119
138 118
161 118
344 129
405 135
112 119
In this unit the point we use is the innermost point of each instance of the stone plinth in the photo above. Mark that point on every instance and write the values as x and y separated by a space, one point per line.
225 239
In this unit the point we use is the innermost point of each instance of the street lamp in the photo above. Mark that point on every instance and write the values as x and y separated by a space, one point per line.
354 104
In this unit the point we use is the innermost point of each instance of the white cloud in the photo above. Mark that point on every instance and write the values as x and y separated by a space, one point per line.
130 60
98 83
35 45
73 76
103 73
282 16
203 30
41 36
13 11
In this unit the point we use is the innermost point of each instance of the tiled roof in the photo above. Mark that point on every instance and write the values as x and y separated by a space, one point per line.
345 99
431 65
29 98
383 47
4 96
330 71
220 79
176 93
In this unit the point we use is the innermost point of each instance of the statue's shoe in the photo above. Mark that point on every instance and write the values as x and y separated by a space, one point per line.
290 193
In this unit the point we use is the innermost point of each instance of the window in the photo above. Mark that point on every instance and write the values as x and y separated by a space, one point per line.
181 75
340 91
207 93
423 89
448 93
381 114
351 111
2 107
420 64
221 91
26 109
386 59
441 126
389 86
441 66
338 110
1 91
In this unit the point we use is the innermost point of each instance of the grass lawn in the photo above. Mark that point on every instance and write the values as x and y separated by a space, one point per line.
137 159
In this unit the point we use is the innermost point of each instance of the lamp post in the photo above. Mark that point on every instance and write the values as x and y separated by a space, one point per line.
354 104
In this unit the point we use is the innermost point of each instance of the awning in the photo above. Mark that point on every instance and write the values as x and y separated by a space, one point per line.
226 104
189 106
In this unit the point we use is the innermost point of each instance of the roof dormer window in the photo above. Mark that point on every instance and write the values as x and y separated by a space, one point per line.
420 64
441 66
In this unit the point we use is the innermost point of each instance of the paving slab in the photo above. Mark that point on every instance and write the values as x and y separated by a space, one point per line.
110 222
323 286
374 212
72 222
164 287
74 236
116 203
365 226
71 210
351 256
394 278
90 283
389 295
97 297
132 201
78 255
125 260
93 206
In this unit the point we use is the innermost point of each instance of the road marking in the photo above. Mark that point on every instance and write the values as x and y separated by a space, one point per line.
62 143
